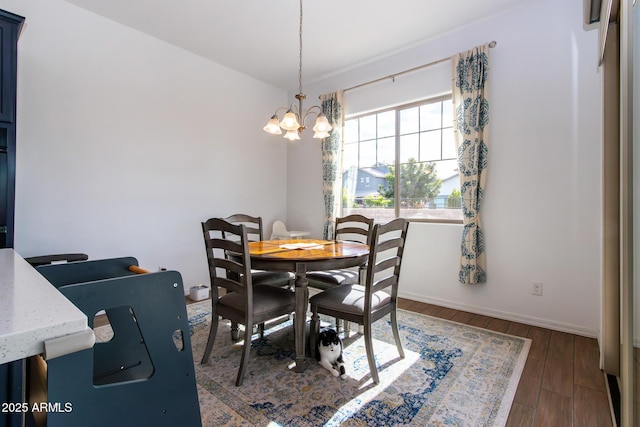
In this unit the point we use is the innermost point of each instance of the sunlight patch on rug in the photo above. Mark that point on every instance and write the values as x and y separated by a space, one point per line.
359 372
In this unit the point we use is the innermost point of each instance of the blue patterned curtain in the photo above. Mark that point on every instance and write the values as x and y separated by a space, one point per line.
331 149
471 129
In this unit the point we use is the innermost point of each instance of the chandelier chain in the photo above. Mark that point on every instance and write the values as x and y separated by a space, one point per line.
294 119
300 53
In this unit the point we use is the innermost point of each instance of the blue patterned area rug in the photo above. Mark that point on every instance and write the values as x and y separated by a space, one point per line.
452 375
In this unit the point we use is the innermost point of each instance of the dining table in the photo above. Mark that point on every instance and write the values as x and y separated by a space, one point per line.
300 256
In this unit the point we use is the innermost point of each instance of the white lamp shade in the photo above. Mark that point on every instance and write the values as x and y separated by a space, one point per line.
322 124
289 121
321 135
292 135
272 126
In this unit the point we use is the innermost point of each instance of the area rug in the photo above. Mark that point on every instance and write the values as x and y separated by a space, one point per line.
452 374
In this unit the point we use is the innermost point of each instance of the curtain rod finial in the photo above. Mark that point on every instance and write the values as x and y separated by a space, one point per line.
493 44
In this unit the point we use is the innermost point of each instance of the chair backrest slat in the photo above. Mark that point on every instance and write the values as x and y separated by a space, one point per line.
229 285
226 244
390 244
227 264
253 225
383 284
232 273
385 258
386 264
356 228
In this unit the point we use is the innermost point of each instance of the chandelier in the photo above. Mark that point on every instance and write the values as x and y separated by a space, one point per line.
294 119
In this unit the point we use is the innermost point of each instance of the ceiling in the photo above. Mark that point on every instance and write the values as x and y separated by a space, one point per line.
260 37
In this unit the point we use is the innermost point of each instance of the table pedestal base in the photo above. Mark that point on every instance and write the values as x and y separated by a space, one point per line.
300 319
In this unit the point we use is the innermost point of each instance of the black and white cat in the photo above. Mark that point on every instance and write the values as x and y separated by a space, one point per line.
329 352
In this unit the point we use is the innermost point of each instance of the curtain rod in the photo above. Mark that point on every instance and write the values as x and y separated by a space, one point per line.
492 44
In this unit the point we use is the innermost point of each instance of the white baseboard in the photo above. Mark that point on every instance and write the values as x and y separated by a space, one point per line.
513 317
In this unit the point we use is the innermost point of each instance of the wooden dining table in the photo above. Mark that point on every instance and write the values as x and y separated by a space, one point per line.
299 257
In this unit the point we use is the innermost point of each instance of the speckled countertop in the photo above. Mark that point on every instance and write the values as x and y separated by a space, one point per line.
32 310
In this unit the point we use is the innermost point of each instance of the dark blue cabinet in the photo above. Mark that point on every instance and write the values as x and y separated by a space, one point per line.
10 25
11 374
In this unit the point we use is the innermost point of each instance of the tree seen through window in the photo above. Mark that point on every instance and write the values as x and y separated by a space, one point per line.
416 140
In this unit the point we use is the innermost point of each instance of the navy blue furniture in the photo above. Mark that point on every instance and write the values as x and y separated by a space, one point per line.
10 26
11 374
144 375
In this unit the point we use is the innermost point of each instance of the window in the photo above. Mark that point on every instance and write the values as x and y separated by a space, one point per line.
416 141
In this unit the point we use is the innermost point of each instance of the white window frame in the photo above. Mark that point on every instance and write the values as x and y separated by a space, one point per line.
397 164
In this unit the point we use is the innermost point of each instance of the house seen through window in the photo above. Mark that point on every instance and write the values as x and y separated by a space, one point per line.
402 162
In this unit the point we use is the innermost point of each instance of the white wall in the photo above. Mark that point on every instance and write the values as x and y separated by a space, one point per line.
126 143
542 210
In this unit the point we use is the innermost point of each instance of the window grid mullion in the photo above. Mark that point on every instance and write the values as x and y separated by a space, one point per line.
441 130
396 168
374 141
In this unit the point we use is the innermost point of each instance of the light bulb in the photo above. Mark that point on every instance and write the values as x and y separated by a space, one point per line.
272 126
321 135
289 121
292 135
322 124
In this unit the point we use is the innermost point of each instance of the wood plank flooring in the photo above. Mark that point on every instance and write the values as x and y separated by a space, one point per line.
561 384
636 358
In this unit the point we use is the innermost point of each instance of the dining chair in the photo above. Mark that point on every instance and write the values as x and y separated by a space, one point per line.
354 228
255 233
377 297
244 302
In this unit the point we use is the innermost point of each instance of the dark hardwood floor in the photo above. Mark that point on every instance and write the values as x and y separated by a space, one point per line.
561 384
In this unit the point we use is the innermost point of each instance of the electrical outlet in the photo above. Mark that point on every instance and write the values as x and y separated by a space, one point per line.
536 288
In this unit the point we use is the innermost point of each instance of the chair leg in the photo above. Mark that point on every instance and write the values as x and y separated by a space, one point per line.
212 337
347 328
235 331
396 335
314 329
344 327
370 358
261 330
246 348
